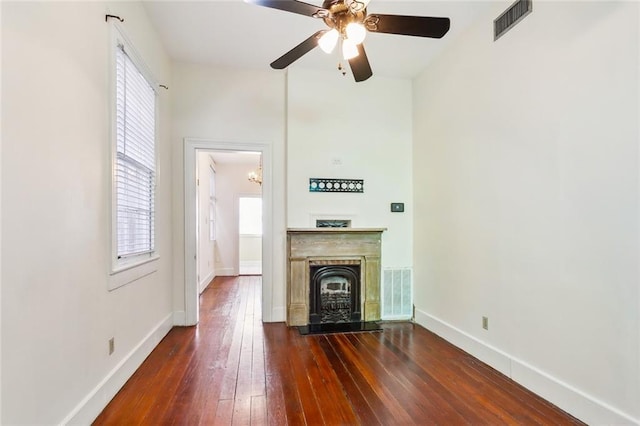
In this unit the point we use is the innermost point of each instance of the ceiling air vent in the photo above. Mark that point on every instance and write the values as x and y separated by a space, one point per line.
510 17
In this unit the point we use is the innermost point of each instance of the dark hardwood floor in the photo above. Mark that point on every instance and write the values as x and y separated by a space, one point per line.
233 369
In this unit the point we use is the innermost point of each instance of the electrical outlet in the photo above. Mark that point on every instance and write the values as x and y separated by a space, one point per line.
485 323
112 345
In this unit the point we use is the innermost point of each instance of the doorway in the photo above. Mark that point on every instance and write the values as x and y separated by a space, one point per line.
192 148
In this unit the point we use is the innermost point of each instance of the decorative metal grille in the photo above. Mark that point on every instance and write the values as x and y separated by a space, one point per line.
335 300
335 185
333 223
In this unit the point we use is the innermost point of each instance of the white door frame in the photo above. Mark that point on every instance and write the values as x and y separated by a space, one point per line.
191 148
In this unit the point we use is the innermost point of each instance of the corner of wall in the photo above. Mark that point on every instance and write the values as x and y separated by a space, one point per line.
278 314
568 398
179 318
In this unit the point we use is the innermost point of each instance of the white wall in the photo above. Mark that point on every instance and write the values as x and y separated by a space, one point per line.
206 247
250 243
232 183
250 248
1 218
526 190
366 128
57 314
231 105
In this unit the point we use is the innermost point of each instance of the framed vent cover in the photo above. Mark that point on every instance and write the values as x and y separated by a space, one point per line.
335 185
510 17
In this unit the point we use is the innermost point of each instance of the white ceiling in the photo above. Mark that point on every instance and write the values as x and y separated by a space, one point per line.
232 33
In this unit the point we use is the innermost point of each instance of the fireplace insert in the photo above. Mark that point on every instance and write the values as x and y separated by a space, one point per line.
334 294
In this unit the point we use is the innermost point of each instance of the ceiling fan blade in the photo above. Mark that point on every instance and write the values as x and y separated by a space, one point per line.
297 52
419 26
360 65
293 6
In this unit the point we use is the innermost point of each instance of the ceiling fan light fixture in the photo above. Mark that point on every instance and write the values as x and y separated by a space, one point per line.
349 49
328 41
356 32
337 15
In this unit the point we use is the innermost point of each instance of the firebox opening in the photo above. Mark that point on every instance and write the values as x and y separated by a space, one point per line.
334 294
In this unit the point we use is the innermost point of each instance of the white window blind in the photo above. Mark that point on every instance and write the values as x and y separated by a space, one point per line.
135 163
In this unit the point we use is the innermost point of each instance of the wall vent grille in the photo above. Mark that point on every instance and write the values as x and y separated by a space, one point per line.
510 17
397 294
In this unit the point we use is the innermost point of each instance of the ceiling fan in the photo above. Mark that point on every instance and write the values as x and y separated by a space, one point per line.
348 20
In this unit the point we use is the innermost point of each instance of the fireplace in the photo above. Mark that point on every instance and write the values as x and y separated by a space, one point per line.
333 275
334 293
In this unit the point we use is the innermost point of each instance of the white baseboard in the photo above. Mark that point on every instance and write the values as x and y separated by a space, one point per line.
494 357
250 267
93 404
225 272
278 314
563 395
205 282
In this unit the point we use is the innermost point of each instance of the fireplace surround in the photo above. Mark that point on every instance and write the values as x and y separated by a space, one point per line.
348 253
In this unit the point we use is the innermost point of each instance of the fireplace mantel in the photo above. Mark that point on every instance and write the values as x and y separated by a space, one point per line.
307 246
333 230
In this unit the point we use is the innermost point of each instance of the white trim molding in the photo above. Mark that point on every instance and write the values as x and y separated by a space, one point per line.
191 147
93 404
179 319
226 272
205 281
279 314
565 396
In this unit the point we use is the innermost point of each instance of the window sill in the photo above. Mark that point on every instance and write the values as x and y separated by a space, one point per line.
125 274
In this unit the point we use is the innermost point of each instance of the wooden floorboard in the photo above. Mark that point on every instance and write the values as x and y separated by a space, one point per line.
234 370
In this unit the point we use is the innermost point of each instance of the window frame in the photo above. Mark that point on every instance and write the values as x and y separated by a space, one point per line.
130 268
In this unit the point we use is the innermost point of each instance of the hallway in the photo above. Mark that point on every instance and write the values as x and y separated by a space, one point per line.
232 369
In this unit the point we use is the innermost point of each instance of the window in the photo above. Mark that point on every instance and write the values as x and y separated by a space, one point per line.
134 161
